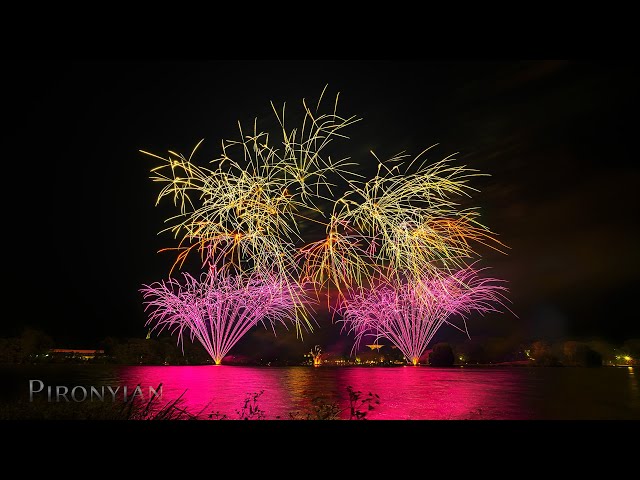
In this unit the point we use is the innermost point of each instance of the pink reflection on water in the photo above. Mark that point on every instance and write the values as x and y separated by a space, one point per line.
212 388
417 393
426 393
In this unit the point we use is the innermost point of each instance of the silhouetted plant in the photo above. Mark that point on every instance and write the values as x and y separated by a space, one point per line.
172 410
359 407
251 410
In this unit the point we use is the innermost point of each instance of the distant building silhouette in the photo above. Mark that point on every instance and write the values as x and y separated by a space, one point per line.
75 353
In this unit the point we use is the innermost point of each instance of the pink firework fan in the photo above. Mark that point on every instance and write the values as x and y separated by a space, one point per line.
221 307
408 313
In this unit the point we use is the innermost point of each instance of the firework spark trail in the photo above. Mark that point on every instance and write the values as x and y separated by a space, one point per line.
409 219
303 160
256 194
339 260
409 314
220 308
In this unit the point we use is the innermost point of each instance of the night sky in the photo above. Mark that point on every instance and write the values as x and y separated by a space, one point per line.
559 139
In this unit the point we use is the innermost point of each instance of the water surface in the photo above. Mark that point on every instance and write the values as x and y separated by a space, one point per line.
416 393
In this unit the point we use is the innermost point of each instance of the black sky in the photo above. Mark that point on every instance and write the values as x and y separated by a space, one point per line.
557 137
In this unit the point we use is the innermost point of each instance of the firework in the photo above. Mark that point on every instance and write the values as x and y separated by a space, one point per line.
410 219
316 354
409 313
248 203
339 260
219 308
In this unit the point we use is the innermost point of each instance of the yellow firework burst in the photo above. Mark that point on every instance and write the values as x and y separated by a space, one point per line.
410 216
248 202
